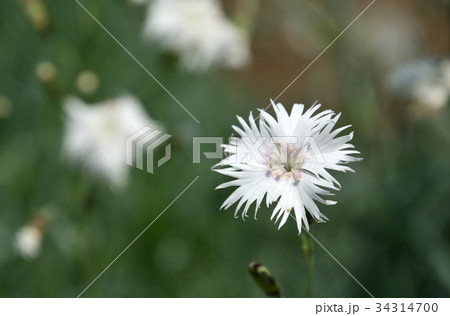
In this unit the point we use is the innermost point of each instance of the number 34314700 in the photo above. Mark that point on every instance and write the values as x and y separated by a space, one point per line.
405 307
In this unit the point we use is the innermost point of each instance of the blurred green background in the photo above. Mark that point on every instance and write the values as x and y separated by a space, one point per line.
390 228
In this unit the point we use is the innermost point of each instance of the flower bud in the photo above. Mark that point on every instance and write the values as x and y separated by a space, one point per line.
264 279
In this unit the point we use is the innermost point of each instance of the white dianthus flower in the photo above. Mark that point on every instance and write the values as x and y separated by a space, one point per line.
287 160
27 241
95 135
199 32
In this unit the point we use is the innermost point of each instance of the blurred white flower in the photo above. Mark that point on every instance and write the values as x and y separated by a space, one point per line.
95 135
401 80
27 241
432 96
423 83
287 160
199 32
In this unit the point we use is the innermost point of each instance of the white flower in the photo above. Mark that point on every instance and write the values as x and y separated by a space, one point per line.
287 160
95 135
432 96
27 241
198 31
423 83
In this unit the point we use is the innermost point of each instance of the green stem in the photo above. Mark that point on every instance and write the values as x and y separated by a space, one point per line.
307 251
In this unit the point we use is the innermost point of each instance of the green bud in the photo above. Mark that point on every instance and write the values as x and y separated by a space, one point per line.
5 107
36 11
264 279
47 74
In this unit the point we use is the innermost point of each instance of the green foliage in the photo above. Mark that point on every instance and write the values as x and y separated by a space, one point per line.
390 227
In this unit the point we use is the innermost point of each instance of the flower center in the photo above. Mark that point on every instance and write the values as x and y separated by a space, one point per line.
285 162
288 166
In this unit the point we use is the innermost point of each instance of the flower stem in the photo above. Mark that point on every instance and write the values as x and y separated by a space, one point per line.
307 251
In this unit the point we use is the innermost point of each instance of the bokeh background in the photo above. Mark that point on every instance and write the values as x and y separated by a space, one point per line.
390 228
